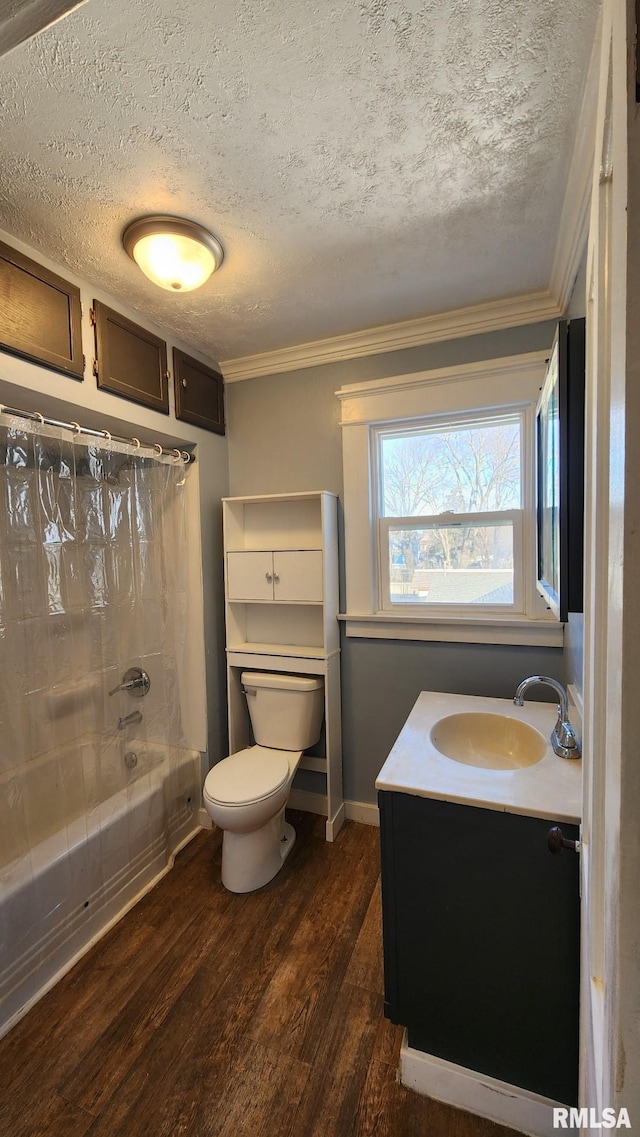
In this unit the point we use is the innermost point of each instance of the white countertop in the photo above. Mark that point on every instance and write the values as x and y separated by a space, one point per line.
552 788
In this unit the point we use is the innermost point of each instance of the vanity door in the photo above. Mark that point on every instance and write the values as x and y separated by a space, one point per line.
481 940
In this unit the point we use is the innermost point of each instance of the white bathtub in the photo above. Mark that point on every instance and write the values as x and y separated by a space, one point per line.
88 836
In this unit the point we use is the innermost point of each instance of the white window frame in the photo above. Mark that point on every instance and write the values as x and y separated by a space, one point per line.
472 391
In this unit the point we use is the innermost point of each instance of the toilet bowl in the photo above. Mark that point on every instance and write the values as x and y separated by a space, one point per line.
246 794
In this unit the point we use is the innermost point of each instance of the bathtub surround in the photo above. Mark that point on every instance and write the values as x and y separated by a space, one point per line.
93 581
83 875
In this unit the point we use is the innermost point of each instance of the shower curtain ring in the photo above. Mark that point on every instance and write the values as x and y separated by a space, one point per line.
186 457
106 434
177 455
137 443
41 417
156 446
77 429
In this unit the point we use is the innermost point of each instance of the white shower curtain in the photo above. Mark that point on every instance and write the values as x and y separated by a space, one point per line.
93 556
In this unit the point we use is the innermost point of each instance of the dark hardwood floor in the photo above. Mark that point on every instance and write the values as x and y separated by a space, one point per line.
204 1013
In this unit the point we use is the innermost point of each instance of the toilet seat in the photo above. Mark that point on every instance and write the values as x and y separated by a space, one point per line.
246 777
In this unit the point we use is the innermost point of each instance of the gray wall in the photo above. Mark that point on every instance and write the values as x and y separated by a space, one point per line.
284 436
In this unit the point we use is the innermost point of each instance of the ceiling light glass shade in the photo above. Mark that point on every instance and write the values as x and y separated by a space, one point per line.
175 254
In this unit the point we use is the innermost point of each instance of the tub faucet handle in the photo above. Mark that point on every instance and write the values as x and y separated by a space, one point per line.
135 681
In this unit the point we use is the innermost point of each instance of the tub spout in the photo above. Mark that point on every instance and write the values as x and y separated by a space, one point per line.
129 720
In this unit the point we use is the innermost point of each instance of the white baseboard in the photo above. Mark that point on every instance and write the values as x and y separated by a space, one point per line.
364 811
486 1097
308 802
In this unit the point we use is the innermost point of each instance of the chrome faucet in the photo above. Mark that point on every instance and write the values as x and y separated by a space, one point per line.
130 720
135 681
563 737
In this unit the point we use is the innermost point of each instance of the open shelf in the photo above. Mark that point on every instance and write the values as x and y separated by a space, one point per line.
300 651
294 627
273 523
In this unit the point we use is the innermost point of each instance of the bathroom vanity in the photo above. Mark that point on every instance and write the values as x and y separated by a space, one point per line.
480 920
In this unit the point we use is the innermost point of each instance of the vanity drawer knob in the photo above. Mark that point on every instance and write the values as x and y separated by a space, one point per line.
556 841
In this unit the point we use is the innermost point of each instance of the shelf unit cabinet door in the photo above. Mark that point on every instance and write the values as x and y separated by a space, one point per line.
250 576
298 576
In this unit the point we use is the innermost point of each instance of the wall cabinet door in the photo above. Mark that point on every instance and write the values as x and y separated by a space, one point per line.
298 576
250 576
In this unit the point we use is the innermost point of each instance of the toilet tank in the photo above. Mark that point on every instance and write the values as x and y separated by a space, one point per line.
286 710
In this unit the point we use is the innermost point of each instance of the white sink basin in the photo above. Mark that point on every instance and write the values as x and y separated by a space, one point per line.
494 742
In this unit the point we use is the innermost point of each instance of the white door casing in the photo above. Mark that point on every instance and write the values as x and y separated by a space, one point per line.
610 1042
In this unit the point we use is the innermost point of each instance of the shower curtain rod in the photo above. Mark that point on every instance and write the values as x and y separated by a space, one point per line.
77 429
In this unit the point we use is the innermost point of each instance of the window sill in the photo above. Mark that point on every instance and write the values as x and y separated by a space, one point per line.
515 630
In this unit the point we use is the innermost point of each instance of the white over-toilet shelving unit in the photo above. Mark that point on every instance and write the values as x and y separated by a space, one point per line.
281 604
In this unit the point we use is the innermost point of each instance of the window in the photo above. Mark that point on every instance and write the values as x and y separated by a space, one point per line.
450 508
439 505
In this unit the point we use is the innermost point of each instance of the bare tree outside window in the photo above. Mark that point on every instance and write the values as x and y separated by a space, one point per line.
467 469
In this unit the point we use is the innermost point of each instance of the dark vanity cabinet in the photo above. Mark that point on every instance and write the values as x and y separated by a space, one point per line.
481 940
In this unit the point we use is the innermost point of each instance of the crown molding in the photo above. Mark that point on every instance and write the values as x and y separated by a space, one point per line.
529 308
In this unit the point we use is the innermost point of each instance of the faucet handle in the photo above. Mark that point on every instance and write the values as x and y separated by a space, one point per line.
135 681
564 739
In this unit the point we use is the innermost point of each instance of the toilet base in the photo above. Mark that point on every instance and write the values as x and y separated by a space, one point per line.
251 860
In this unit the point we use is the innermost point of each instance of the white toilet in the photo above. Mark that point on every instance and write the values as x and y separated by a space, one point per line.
247 792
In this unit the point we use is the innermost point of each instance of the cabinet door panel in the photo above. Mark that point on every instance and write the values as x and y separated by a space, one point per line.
481 939
250 576
299 575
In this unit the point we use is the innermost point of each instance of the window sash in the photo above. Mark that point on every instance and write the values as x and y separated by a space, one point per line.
512 517
435 426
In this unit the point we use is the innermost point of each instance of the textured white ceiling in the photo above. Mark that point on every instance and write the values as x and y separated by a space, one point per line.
361 163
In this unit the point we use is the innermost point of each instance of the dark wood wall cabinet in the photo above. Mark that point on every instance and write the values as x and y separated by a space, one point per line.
199 393
39 314
130 361
481 940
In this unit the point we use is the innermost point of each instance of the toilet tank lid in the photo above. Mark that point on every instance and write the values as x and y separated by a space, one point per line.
279 682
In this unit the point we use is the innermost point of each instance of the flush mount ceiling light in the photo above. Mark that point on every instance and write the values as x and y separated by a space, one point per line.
174 253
